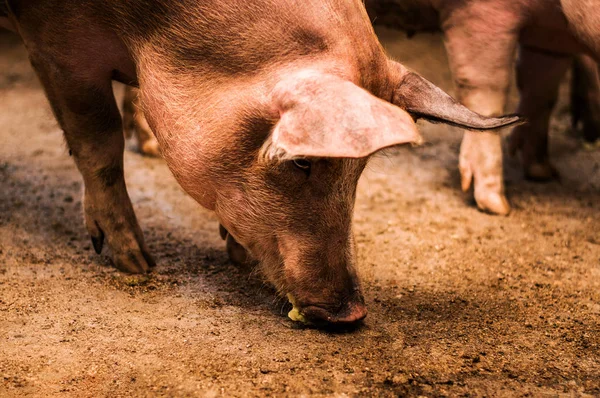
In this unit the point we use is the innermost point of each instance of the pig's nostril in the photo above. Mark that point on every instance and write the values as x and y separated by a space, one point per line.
349 313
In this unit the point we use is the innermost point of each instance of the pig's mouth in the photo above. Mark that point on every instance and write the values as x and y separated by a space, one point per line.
349 313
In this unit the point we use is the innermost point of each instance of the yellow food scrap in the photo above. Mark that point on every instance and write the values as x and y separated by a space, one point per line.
295 314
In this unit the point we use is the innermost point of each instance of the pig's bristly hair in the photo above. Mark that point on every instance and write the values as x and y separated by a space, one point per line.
252 34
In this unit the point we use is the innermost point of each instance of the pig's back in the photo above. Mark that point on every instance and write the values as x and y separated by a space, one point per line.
239 36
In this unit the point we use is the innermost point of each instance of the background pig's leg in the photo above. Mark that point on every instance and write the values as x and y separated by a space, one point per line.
86 110
585 97
538 77
129 111
134 121
481 61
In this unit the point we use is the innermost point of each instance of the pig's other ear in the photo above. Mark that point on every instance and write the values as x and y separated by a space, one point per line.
324 115
423 99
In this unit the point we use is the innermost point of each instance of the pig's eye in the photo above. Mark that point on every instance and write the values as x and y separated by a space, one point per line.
303 165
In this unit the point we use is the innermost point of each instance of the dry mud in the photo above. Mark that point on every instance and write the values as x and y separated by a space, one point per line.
461 303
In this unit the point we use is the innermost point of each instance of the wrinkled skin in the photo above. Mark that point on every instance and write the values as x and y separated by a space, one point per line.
266 112
481 38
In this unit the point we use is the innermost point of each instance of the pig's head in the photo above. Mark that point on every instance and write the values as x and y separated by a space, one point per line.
283 179
292 201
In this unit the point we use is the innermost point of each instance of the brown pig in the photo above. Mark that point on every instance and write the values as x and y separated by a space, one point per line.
481 38
266 112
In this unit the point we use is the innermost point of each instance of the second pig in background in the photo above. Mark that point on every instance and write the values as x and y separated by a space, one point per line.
482 39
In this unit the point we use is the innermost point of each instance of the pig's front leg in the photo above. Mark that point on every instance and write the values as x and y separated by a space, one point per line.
538 77
481 60
86 110
135 122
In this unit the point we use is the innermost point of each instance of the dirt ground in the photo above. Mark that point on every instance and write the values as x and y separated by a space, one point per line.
461 303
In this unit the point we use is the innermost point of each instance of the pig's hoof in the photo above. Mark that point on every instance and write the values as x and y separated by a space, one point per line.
541 172
134 261
129 252
487 200
493 203
150 148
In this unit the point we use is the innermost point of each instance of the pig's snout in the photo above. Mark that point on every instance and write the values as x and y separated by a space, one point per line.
351 311
321 280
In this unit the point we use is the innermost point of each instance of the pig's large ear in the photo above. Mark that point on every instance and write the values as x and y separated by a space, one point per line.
323 115
423 99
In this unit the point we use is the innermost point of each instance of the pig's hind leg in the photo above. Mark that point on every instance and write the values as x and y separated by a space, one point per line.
538 77
84 104
135 122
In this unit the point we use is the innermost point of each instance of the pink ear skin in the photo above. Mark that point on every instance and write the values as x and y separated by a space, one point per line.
324 115
421 98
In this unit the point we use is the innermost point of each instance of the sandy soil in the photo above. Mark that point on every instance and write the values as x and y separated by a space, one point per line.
461 303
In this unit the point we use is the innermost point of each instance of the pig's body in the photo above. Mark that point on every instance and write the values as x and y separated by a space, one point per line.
481 38
266 111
